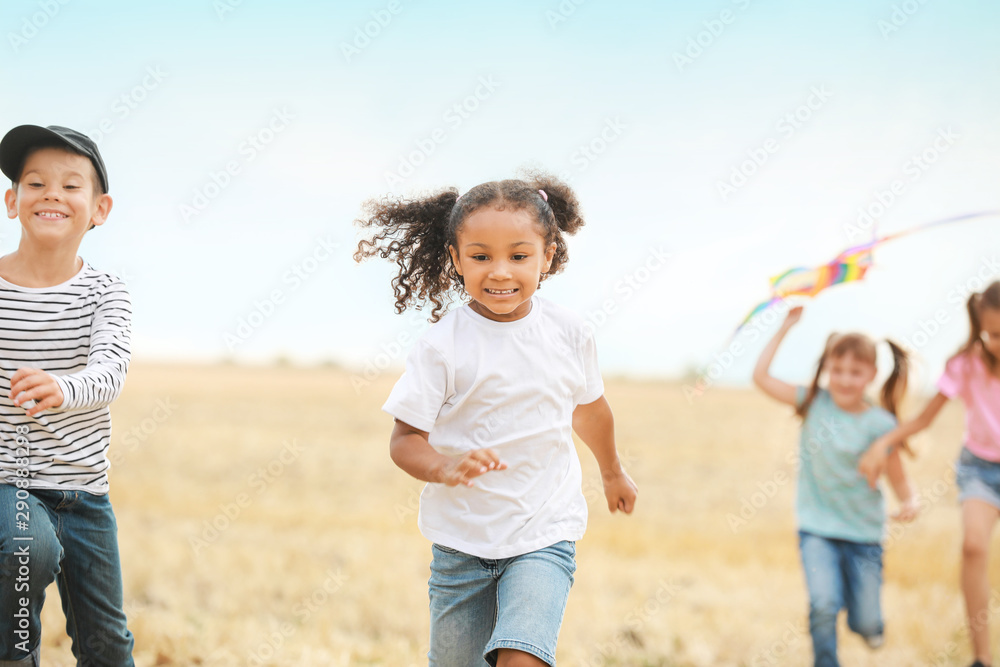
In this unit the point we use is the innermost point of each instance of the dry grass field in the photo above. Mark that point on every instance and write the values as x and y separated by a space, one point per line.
262 523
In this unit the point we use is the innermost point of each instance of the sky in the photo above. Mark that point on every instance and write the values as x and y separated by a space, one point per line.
712 145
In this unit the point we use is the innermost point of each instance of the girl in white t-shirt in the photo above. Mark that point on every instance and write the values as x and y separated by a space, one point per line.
486 409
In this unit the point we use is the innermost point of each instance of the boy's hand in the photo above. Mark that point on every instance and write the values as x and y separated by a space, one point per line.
620 490
463 469
908 510
29 384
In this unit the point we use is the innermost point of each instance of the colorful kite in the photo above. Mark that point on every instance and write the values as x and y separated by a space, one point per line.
848 266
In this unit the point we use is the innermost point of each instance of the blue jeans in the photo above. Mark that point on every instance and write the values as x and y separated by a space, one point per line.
841 573
977 478
482 605
69 537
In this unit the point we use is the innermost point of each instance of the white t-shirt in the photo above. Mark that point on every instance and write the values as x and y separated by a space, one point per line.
473 383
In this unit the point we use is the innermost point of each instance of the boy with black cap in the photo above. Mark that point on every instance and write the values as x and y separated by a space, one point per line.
64 351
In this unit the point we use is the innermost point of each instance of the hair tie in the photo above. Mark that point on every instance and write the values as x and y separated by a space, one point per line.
544 196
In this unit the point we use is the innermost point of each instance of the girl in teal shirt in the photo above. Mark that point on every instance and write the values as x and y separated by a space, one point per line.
840 518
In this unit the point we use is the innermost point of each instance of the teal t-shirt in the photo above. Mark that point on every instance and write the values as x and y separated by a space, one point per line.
834 499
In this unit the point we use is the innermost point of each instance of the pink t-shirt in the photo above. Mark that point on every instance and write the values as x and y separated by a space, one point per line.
967 377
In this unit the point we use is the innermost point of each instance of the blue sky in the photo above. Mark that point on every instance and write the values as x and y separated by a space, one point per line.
242 138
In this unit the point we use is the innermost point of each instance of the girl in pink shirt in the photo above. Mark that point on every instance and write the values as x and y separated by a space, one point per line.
972 375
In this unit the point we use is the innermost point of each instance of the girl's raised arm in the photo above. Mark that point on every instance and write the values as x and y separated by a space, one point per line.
873 462
770 385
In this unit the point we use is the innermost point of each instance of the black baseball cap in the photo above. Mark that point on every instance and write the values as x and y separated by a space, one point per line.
21 139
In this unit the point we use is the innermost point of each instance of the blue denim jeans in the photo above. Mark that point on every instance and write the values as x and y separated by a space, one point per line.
69 537
839 574
977 478
482 605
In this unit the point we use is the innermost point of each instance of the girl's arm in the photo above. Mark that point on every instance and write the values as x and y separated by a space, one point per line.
772 386
908 502
595 425
410 450
873 462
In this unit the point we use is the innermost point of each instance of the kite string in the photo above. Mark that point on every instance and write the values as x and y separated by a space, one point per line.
847 266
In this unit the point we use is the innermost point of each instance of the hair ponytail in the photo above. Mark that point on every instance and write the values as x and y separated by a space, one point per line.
895 385
559 213
988 298
415 234
894 388
802 410
560 200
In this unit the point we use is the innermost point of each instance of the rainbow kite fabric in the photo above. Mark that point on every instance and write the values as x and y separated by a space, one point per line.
848 266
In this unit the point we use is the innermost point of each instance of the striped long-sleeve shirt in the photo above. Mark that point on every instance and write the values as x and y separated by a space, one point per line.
79 332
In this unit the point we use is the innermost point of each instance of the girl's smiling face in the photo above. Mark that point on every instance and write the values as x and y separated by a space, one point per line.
848 378
501 256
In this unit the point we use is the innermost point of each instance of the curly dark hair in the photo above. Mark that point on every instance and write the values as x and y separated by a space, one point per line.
416 233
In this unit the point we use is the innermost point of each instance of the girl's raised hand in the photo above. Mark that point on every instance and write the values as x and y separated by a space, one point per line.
793 316
463 469
620 491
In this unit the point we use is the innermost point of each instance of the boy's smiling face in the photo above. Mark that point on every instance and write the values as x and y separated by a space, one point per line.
57 199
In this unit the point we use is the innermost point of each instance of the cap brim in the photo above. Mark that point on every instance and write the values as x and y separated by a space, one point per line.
19 141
